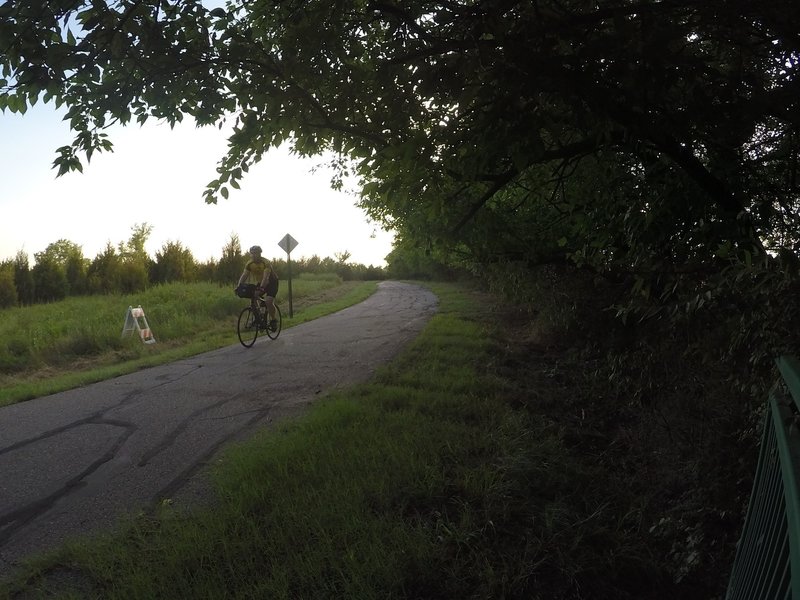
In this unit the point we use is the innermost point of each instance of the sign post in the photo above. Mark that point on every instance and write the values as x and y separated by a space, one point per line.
288 243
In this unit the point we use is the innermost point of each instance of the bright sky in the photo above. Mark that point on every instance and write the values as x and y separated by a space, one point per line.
157 176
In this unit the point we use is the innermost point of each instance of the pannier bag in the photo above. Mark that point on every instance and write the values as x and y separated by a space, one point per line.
246 290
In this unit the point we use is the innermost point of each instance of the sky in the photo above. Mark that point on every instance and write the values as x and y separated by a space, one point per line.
157 175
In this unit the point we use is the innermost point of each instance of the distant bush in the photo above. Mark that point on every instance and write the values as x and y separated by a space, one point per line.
329 277
8 290
49 281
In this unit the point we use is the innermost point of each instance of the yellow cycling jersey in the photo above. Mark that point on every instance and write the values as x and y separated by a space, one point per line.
255 270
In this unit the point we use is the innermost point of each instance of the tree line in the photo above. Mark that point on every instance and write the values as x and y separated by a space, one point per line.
61 270
656 144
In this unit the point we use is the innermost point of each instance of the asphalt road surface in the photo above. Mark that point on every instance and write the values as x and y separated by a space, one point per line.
76 462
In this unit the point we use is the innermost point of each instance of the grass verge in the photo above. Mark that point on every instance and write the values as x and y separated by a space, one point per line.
431 481
63 345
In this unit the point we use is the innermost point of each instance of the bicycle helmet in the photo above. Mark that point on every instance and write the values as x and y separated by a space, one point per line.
256 249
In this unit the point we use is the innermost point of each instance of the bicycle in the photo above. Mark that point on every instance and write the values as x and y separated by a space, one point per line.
254 319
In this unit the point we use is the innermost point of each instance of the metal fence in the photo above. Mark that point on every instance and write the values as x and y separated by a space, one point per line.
767 563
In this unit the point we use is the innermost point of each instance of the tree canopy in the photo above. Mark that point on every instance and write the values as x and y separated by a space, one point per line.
634 134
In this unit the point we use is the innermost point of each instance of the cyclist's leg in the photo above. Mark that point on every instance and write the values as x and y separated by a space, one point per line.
274 329
254 304
270 301
271 292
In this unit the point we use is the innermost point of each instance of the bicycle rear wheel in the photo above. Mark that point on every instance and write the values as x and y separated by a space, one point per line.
274 332
247 327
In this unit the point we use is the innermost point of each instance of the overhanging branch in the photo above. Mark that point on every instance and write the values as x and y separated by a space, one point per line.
500 181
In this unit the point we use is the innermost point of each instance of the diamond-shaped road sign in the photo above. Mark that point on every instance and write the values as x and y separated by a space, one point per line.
288 243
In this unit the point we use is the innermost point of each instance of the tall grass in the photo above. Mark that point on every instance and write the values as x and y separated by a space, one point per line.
427 482
50 347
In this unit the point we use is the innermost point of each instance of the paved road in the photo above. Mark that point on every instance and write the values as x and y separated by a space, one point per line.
77 461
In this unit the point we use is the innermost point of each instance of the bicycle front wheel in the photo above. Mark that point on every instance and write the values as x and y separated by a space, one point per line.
247 328
273 331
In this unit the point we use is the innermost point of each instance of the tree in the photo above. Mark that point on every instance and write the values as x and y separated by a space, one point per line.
23 278
136 264
68 257
133 275
105 272
49 279
232 262
207 271
59 252
134 248
458 117
311 265
75 271
408 261
173 263
8 291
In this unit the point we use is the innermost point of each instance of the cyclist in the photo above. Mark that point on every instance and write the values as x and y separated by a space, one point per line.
260 273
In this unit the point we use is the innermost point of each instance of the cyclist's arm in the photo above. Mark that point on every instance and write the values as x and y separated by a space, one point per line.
265 278
242 278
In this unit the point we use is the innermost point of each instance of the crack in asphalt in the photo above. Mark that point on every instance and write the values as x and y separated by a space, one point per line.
170 437
17 519
151 441
95 419
180 479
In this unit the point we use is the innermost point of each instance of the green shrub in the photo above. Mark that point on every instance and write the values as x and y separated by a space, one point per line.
8 290
15 355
